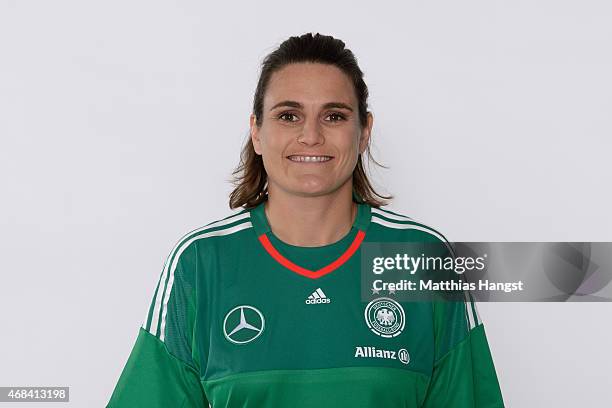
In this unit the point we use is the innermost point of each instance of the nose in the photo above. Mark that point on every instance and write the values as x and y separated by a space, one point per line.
312 133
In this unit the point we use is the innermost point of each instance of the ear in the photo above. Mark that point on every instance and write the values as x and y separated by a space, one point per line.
254 130
366 132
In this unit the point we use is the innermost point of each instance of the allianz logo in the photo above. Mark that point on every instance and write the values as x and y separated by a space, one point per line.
373 352
317 297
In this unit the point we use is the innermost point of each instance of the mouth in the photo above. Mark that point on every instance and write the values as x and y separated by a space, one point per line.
297 158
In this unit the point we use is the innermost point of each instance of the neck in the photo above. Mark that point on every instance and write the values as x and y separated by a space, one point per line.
310 221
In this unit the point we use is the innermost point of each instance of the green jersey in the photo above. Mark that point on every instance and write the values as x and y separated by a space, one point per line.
240 318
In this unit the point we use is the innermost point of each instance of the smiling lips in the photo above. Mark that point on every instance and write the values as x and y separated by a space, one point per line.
309 159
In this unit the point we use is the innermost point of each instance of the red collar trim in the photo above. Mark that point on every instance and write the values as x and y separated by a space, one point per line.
263 238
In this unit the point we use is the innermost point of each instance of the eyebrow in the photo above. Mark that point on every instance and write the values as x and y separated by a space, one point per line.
328 105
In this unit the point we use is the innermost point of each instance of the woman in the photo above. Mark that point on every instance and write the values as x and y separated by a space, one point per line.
263 308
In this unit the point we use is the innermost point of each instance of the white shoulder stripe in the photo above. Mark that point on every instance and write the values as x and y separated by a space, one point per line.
396 225
390 215
225 221
471 311
162 281
226 231
430 231
470 315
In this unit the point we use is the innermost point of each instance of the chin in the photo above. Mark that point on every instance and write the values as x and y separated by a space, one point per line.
314 191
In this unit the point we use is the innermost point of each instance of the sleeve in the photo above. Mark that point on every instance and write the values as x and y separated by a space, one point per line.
464 374
162 369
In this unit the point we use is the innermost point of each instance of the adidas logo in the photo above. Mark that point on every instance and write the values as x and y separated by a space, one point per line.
317 297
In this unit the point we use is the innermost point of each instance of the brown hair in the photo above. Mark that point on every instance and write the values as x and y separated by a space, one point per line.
250 177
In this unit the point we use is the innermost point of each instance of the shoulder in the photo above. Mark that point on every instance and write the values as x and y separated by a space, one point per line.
227 228
391 225
235 222
397 221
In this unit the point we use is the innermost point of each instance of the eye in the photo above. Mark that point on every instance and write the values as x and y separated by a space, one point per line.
336 115
286 114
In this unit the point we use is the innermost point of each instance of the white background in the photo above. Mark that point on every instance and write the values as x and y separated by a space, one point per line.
121 121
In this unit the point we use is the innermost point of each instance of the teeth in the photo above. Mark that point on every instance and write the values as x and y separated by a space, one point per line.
309 158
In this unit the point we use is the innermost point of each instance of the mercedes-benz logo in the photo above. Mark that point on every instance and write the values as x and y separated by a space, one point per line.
243 324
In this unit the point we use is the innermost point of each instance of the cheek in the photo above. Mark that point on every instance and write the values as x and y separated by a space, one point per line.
272 154
350 149
268 143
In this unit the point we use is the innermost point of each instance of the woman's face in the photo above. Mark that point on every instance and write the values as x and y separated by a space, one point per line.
310 136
